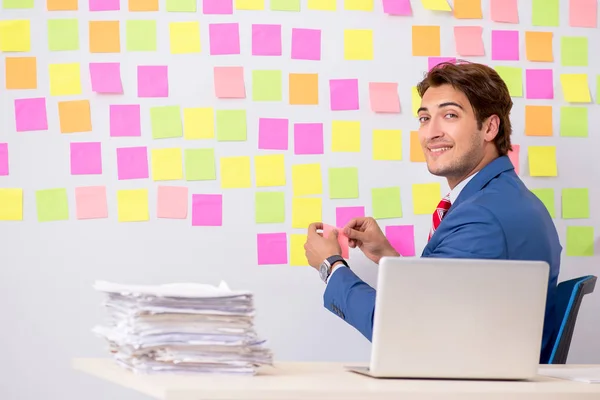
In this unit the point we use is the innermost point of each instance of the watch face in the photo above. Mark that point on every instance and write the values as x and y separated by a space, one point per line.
323 269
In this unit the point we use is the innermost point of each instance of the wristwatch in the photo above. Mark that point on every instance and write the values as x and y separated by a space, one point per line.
325 267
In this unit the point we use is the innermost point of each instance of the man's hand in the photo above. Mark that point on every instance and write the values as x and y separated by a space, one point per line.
317 248
364 233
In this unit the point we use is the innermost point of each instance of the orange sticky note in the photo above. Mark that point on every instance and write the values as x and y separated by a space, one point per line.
62 5
342 238
304 89
143 5
21 73
105 37
416 151
74 116
538 46
467 9
538 120
425 40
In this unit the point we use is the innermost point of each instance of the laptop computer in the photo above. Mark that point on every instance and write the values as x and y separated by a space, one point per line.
457 319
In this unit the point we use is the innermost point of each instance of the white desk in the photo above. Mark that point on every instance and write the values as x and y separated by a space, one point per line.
300 381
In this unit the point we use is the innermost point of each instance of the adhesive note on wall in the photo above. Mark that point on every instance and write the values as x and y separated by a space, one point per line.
345 214
469 41
574 121
575 88
52 205
4 159
322 5
172 202
143 5
359 5
231 125
62 5
132 205
513 78
104 36
307 179
153 81
575 203
141 35
539 83
132 163
266 85
217 7
358 44
297 240
30 114
387 144
436 5
415 100
385 202
63 34
269 207
514 156
17 4
200 164
304 89
505 45
74 116
384 97
224 38
416 150
426 40
250 4
11 204
270 170
285 5
343 94
538 46
273 133
580 241
21 73
341 238
86 158
181 6
504 11
229 82
308 138
125 120
91 202
546 195
166 122
545 12
343 183
305 211
167 164
207 210
397 7
538 120
574 51
15 35
104 5
542 161
426 197
235 172
198 123
65 79
402 239
266 40
306 44
184 37
106 77
272 248
583 13
345 136
434 61
467 9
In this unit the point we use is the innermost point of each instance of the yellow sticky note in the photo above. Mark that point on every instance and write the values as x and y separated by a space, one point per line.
358 44
416 150
184 37
11 204
387 144
249 4
426 197
297 252
198 123
307 179
132 205
15 35
359 5
235 172
575 88
542 161
345 136
305 211
436 5
270 170
322 5
415 100
65 79
167 164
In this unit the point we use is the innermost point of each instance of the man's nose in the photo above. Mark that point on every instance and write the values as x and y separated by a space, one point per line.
433 129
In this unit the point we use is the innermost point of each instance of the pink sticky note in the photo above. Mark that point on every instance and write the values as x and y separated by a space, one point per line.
106 77
3 159
583 13
172 202
132 163
91 202
217 6
469 41
153 81
306 44
539 84
30 114
397 7
229 82
266 40
86 158
224 38
342 238
513 156
271 248
402 239
125 120
505 45
273 133
104 5
504 11
384 97
343 215
343 94
433 61
207 210
308 138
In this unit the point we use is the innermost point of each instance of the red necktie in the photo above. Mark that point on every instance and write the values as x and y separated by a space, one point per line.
438 214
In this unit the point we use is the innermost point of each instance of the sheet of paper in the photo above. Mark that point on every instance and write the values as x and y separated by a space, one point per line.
167 164
172 202
125 120
235 172
272 248
269 207
17 4
469 41
132 163
229 82
30 114
467 9
359 5
140 35
542 161
224 38
52 205
387 144
513 78
181 6
345 136
207 210
143 5
397 7
436 5
184 37
583 13
358 44
75 116
416 150
434 61
285 5
106 77
545 13
426 40
426 197
305 211
306 44
4 159
343 183
415 100
63 34
343 94
322 5
386 202
200 164
538 120
514 156
91 202
104 5
307 179
198 123
273 133
342 238
580 243
166 122
266 85
574 121
574 51
266 40
297 240
345 214
575 88
402 239
505 45
538 46
86 158
153 81
249 4
65 79
217 7
546 195
308 138
304 89
132 205
539 83
105 36
21 72
12 204
15 35
504 11
231 125
269 170
384 97
575 203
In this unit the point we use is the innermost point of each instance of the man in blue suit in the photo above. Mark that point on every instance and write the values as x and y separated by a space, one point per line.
489 213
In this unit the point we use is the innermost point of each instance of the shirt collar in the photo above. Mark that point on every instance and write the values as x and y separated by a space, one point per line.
458 188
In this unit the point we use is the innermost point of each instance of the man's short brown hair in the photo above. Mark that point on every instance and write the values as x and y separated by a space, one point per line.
485 89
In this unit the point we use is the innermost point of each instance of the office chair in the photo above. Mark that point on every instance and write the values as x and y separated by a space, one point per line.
569 295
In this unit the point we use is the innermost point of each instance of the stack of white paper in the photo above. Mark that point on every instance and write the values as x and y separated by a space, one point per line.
182 328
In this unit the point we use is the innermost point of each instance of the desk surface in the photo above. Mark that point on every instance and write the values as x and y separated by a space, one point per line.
300 381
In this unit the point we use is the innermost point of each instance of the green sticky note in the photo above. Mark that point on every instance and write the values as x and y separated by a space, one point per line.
200 165
266 85
16 4
597 89
343 183
166 122
580 241
574 121
231 125
547 197
285 5
513 77
63 34
270 207
181 5
575 203
574 51
545 13
141 35
52 205
386 202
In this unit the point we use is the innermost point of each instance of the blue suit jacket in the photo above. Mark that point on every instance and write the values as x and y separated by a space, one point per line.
494 217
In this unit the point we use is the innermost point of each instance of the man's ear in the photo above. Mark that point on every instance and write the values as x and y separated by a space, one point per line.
491 128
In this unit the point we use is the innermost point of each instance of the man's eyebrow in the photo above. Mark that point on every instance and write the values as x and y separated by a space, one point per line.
442 105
